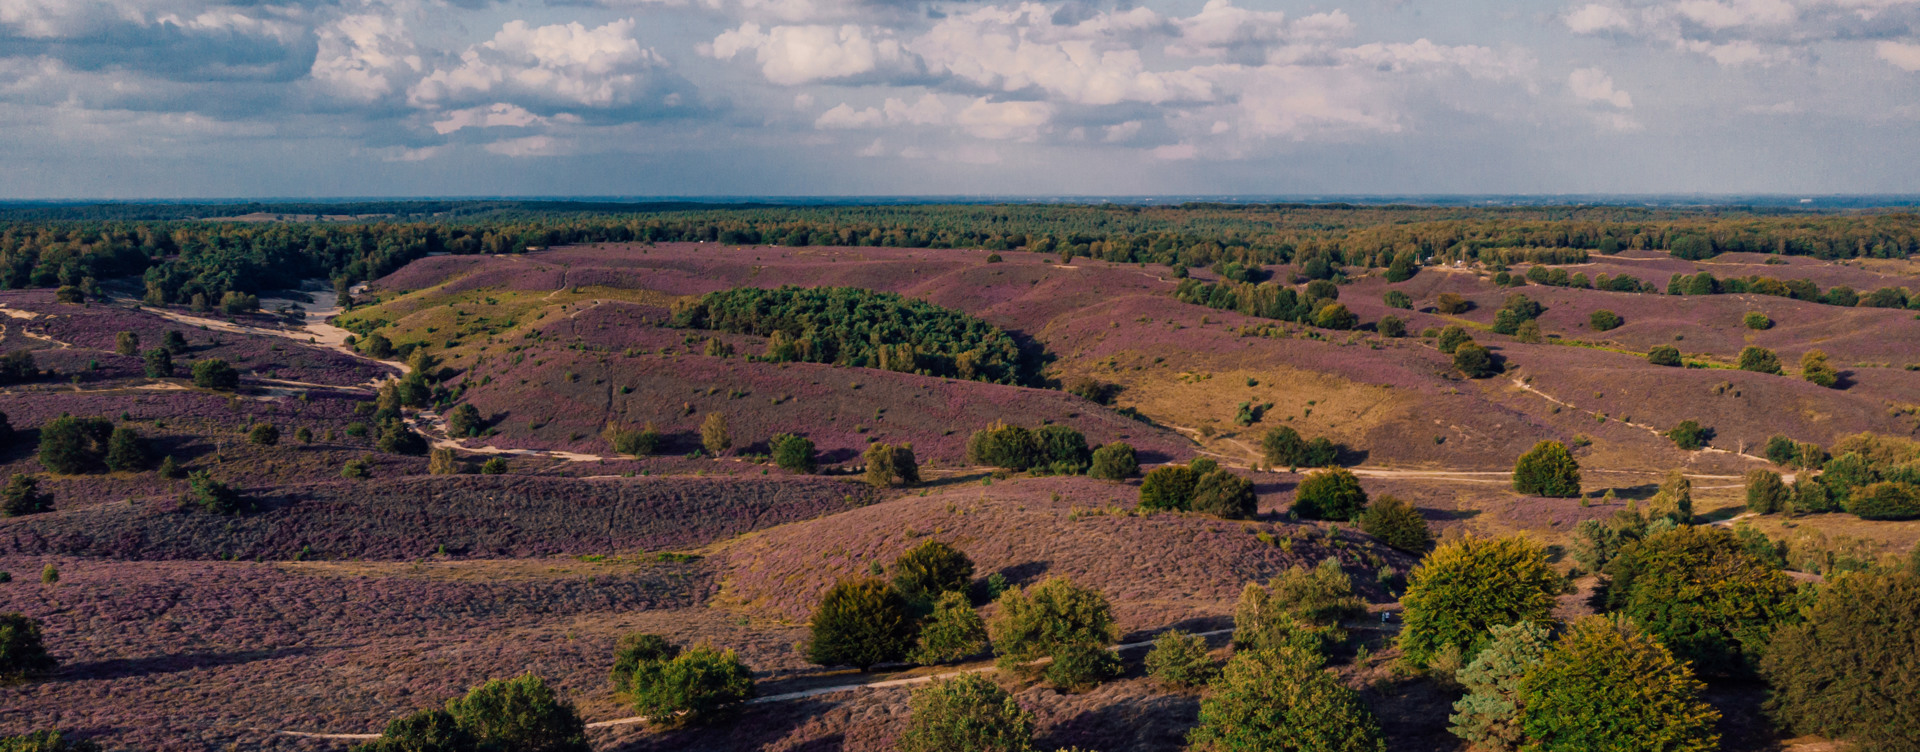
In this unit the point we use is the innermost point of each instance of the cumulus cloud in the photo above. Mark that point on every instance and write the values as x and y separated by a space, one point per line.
1738 33
193 40
791 55
1594 85
1903 56
560 66
365 56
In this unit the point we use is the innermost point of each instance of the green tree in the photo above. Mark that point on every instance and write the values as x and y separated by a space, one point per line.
442 461
429 730
1488 717
1664 355
1282 701
1703 594
1114 461
637 654
1815 368
1885 501
860 623
521 714
1451 338
263 434
495 466
1397 524
17 367
1005 446
1392 326
1180 660
215 496
1757 320
1299 608
1063 450
22 496
1847 671
925 571
396 437
968 713
1334 316
690 687
158 363
1168 487
1766 492
1690 435
127 452
1674 500
954 632
794 453
376 346
1474 361
714 435
1471 585
1607 685
464 421
46 741
174 342
71 446
1759 360
1596 543
1079 666
1035 622
23 654
1284 447
890 465
1330 494
1398 299
127 344
214 373
1223 494
1604 320
1548 469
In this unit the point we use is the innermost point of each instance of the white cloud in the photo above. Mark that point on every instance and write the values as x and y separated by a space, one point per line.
1594 85
1174 152
1903 56
845 116
1005 120
790 55
364 56
529 146
929 110
499 115
561 65
1589 19
1424 55
1738 33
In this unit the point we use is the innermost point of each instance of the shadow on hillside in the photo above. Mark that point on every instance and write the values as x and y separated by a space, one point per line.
751 728
955 480
1449 515
1192 625
125 668
1641 492
1022 575
1149 722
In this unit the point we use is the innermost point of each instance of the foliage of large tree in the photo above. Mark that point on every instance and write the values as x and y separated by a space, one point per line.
968 713
1547 469
1471 585
1281 700
1848 671
521 714
860 623
1701 593
1607 685
1035 622
1488 716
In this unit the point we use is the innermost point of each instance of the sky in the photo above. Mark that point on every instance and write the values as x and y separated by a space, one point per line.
339 98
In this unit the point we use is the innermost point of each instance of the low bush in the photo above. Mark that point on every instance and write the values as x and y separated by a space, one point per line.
1285 447
1226 495
1690 435
521 714
1330 494
793 453
1664 355
215 496
1604 320
1397 524
891 465
1757 320
1759 360
22 496
71 446
926 571
690 687
1114 461
1476 362
1168 487
214 373
1080 666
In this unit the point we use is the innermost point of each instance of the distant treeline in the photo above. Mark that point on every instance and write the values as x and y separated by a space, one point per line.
185 254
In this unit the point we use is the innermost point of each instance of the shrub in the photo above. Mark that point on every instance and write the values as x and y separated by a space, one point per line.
1398 299
23 655
1528 332
158 363
1300 608
1063 451
1690 435
71 446
1397 524
127 452
442 462
635 655
860 623
1114 461
1757 320
303 435
215 496
1782 450
1759 360
1039 620
1604 320
1330 494
714 435
17 366
1703 595
968 713
794 453
1225 495
1004 446
521 714
463 421
691 686
926 571
1392 326
1814 368
22 496
46 741
1471 585
1606 685
495 466
1284 447
49 575
1475 362
263 434
214 373
1451 338
1488 717
1846 671
1885 501
1664 355
1766 492
376 346
1168 487
1281 701
890 465
1547 469
1180 660
397 438
1334 316
1078 667
174 342
1451 303
954 631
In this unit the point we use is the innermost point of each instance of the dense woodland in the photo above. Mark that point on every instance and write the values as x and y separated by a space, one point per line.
185 251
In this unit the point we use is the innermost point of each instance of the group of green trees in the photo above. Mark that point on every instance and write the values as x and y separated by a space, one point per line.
1470 358
1317 305
1868 475
1704 283
1199 486
1051 449
857 327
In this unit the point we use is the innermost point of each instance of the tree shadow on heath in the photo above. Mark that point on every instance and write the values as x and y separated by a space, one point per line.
1413 715
124 668
1155 721
749 728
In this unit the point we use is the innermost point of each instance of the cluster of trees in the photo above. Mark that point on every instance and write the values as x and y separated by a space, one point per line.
1315 305
1051 449
1557 277
75 446
1200 486
521 714
1704 283
857 327
1283 446
1470 358
1870 476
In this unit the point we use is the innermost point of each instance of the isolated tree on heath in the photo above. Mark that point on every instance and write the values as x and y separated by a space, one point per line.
214 373
1299 608
23 655
22 496
1759 360
1547 469
968 713
1471 585
1608 685
158 363
1114 461
890 465
860 623
127 452
1226 495
714 434
1330 494
1674 500
793 453
1397 524
1168 487
1815 368
1664 355
1282 701
1604 320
